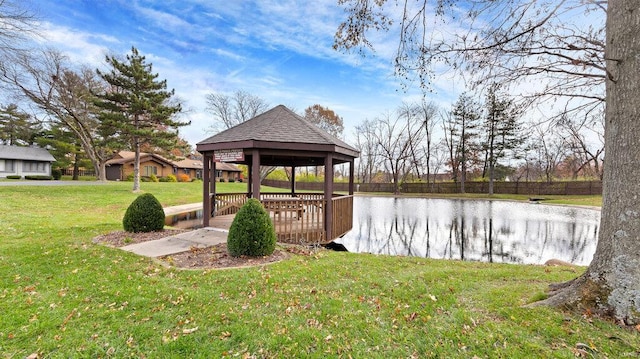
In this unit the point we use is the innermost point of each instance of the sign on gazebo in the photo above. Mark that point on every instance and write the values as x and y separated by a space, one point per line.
228 155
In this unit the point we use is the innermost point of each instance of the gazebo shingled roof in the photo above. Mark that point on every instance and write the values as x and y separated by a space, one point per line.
281 129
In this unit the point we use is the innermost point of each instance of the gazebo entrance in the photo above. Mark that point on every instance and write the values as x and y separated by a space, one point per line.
279 137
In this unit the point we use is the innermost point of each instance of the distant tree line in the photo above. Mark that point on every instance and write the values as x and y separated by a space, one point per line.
475 140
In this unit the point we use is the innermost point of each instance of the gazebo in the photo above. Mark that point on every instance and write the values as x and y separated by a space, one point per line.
279 137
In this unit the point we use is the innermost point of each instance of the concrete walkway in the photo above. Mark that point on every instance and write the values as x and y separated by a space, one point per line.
199 238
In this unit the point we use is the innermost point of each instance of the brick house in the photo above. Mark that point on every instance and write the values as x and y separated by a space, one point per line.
121 166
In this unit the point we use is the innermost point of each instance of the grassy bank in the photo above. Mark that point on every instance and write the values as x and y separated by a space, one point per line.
586 200
63 296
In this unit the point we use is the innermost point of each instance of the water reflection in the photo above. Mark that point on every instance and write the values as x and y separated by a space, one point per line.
479 230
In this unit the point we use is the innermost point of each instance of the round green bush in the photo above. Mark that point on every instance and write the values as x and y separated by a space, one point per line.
56 173
251 232
145 214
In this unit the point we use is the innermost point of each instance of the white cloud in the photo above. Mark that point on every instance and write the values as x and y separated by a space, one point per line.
80 47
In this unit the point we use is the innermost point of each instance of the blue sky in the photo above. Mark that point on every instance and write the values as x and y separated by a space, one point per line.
278 50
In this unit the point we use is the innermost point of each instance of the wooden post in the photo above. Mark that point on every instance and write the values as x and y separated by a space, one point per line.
351 175
293 181
206 201
328 196
250 178
255 174
214 192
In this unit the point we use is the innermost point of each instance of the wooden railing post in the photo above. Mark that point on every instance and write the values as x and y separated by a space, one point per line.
206 199
328 194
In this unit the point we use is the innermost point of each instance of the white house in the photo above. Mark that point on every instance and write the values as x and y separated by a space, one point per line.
24 161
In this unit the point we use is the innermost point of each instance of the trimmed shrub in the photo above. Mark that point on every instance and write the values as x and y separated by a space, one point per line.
14 177
171 178
184 178
38 178
129 177
154 178
56 173
145 214
252 232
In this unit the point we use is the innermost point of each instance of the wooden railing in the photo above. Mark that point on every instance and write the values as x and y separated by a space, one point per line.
342 219
298 220
227 203
270 195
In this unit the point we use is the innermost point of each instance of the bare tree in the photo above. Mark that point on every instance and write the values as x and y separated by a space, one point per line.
427 112
496 41
449 143
16 25
232 110
367 163
413 114
585 138
525 40
394 136
438 159
65 95
546 151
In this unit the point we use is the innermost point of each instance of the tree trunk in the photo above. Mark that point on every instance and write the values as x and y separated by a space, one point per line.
611 284
136 167
102 174
492 174
76 168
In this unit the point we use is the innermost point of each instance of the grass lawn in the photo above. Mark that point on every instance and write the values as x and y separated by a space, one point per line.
63 296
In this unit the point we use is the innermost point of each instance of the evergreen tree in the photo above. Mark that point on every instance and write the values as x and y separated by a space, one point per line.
17 128
466 118
502 130
65 147
137 107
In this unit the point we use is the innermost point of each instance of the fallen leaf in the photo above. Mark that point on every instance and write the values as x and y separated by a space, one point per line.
328 338
189 331
411 317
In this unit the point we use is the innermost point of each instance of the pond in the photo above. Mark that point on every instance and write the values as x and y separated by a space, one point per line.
476 230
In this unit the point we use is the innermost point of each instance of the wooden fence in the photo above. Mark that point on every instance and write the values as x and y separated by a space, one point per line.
524 188
81 172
